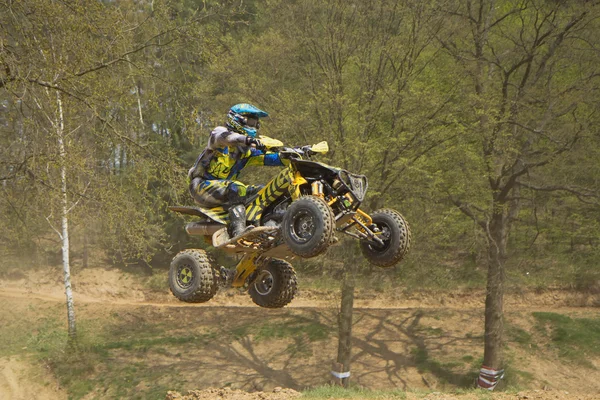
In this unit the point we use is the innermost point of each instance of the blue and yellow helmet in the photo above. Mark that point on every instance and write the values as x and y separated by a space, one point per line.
245 119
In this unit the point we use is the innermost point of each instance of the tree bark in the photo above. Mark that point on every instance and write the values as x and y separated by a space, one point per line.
64 220
345 321
494 301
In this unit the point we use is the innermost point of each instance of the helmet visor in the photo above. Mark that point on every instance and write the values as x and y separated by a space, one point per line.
252 122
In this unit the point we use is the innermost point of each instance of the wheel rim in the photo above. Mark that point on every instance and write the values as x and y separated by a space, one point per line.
303 227
264 283
386 234
185 276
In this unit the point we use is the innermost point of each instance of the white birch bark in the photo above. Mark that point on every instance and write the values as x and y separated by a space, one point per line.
60 128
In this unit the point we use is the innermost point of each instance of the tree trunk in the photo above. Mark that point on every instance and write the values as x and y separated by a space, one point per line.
64 220
491 371
345 323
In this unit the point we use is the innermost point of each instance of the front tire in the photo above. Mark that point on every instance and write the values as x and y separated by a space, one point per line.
308 226
275 285
395 234
191 277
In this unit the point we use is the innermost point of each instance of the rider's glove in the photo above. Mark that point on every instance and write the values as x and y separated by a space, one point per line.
307 150
257 143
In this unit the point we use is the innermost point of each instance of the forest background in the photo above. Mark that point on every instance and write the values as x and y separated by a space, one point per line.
478 120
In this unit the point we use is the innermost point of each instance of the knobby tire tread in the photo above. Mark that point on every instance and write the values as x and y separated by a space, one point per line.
287 287
403 245
327 237
206 281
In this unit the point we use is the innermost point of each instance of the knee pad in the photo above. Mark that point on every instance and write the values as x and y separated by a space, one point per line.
236 194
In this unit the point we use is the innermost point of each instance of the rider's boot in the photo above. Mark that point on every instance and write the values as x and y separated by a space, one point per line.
237 221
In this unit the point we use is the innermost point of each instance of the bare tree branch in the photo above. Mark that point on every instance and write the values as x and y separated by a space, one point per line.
582 194
53 227
467 209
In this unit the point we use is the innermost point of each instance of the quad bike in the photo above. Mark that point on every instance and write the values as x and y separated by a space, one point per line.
295 214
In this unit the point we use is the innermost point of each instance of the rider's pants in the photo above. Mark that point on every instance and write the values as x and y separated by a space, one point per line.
211 193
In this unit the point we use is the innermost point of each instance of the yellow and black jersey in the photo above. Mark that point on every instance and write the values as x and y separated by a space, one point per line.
227 154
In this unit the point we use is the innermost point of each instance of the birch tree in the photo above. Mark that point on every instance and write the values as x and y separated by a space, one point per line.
68 69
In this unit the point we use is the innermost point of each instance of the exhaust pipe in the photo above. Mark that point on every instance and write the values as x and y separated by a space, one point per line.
203 228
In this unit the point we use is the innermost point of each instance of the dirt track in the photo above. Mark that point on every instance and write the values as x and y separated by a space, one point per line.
109 286
104 290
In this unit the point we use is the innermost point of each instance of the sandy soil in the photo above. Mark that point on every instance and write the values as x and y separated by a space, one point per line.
97 285
229 394
287 394
19 380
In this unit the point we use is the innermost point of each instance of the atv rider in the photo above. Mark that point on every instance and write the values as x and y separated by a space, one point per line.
213 177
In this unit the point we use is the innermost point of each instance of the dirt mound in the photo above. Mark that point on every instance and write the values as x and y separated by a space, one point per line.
230 394
525 395
90 285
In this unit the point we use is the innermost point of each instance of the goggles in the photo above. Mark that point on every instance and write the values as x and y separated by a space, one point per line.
252 122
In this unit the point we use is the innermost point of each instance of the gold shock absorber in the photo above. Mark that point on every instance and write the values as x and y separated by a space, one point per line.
317 189
364 218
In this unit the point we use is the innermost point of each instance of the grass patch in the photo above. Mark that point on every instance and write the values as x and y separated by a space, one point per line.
99 375
338 392
301 331
445 371
158 282
29 328
120 352
116 366
518 335
574 338
294 328
515 379
107 361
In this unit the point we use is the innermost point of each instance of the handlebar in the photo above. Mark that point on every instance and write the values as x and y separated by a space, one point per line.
297 152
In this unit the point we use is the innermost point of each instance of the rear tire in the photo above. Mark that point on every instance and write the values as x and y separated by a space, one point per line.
191 277
275 285
308 226
396 237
